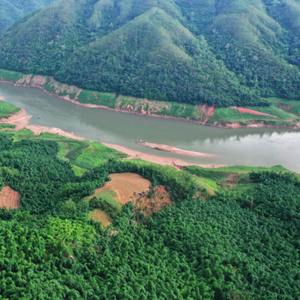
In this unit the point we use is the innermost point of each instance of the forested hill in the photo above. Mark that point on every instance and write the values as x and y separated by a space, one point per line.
242 244
11 11
233 52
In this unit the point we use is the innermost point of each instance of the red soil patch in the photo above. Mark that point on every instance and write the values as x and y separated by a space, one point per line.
208 112
128 186
9 198
149 205
284 107
250 111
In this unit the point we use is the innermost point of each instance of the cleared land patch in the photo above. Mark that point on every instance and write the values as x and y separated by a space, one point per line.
9 198
122 188
127 186
154 200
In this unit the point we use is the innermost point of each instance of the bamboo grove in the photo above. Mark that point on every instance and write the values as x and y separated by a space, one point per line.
233 246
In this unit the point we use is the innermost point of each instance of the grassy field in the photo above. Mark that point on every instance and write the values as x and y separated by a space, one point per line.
6 125
234 178
83 155
223 116
7 109
286 105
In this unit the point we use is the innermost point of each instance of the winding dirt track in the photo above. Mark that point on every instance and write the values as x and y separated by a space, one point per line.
251 111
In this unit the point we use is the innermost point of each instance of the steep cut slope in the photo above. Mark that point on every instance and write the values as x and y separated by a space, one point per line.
10 11
232 52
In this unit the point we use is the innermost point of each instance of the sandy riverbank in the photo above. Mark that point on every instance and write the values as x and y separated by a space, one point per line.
175 150
38 130
177 163
21 120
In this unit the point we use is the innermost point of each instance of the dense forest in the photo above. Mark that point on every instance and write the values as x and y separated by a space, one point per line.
234 52
12 10
232 246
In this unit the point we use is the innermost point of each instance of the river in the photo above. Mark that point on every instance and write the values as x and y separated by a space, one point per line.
252 147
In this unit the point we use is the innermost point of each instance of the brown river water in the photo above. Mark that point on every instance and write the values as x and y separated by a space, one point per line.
252 147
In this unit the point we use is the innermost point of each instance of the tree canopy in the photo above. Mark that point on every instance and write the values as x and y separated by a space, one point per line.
234 52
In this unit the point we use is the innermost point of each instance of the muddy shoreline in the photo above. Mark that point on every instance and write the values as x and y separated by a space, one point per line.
21 120
231 126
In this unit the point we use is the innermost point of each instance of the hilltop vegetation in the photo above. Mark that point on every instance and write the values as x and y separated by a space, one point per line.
235 52
10 11
234 245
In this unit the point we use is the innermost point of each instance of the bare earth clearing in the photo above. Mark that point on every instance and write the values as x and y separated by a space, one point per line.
9 198
149 205
126 185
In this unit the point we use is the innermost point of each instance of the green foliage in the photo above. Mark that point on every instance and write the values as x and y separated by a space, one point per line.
44 181
104 205
11 11
213 174
6 110
182 51
234 246
6 125
217 249
182 185
69 206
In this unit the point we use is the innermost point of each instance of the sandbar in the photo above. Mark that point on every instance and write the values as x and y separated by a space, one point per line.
21 120
175 150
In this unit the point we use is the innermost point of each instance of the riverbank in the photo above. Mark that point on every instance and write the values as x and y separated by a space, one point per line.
21 121
226 118
177 163
175 150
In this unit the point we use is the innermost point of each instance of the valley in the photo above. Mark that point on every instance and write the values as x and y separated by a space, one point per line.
150 149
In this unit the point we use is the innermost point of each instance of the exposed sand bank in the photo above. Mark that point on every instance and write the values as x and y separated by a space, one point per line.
175 150
177 163
20 119
38 130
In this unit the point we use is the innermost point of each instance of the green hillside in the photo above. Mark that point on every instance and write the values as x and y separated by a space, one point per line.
242 243
10 11
234 52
